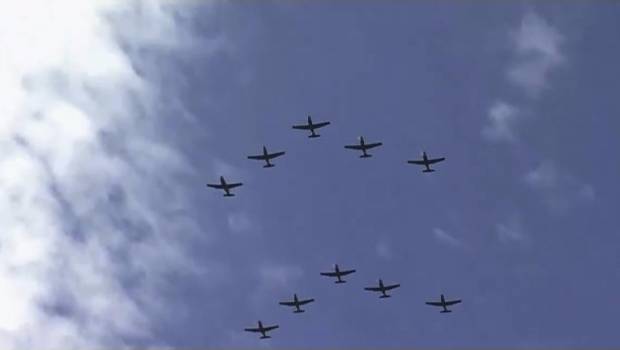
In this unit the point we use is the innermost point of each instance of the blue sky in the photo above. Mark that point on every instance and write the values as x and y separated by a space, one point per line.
519 221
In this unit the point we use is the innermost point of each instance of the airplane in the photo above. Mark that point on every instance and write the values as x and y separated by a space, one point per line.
443 303
338 274
296 303
266 156
262 330
363 146
225 186
382 288
311 126
426 162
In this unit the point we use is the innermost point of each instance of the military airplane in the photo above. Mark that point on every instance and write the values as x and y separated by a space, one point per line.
382 288
262 330
426 162
225 186
296 303
311 126
266 156
443 303
338 274
363 146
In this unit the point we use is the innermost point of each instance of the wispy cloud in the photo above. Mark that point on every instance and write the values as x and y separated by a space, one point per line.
511 231
446 238
537 45
502 120
240 222
90 191
383 249
559 190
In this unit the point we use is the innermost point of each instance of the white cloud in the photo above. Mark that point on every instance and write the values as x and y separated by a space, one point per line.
445 238
88 185
537 45
383 250
502 119
560 190
510 232
239 222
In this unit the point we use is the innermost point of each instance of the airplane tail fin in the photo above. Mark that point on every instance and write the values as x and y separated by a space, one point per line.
268 165
428 170
229 195
385 296
265 337
445 311
366 156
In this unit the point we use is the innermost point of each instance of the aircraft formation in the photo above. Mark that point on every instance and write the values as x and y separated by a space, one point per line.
337 273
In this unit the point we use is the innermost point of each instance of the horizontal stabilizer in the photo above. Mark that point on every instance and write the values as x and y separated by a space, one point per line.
314 136
298 311
269 165
229 195
445 311
428 170
385 296
341 281
265 337
366 156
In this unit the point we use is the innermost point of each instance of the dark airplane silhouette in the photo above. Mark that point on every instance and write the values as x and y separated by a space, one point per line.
225 186
443 303
262 330
338 274
296 303
266 156
363 146
311 126
426 162
382 288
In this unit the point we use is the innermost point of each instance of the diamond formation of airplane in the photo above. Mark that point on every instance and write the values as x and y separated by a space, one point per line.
338 274
425 161
382 288
364 147
311 126
296 303
267 157
443 303
223 185
262 330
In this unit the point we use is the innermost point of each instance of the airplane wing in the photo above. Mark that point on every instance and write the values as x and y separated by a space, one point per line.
329 274
288 303
218 186
436 160
304 302
261 157
303 127
320 125
373 145
419 162
452 302
234 185
434 303
373 289
346 272
357 147
391 287
275 155
256 330
270 328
